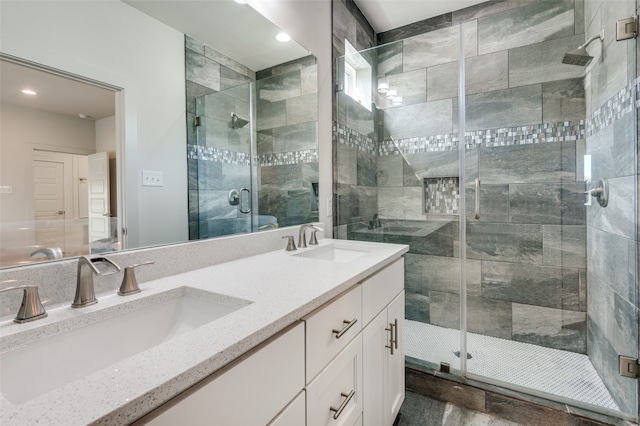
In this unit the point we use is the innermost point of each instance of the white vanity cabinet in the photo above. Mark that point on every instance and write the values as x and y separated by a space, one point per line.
342 365
383 346
366 379
250 392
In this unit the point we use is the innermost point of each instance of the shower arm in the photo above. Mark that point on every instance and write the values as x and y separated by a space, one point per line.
592 39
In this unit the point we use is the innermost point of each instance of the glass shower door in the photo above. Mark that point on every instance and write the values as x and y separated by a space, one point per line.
552 294
225 170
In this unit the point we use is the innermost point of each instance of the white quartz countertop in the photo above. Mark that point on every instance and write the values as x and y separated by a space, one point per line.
282 287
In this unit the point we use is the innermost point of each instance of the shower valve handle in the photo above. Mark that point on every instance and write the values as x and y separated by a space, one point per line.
600 192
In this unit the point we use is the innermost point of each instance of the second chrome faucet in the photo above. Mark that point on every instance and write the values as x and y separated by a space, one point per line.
302 235
85 292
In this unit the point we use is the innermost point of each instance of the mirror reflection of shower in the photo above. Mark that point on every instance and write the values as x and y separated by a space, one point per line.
237 122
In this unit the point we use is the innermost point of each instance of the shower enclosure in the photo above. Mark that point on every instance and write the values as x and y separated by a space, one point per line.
225 169
478 147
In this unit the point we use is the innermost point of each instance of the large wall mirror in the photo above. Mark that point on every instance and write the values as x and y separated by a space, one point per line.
153 122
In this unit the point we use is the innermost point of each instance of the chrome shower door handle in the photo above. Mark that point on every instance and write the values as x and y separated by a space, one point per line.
477 213
242 209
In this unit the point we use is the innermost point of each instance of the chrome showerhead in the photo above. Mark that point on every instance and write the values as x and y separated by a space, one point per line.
580 56
237 122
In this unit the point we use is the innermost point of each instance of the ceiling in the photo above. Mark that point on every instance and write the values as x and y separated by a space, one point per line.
236 30
385 15
54 93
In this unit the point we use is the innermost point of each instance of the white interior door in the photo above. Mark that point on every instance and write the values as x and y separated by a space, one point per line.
99 214
49 203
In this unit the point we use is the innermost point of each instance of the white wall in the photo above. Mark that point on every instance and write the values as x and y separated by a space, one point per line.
106 136
21 131
309 23
111 42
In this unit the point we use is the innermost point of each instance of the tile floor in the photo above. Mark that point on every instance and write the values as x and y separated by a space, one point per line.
552 371
419 410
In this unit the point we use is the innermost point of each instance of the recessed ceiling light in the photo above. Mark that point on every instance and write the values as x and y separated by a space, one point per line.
242 1
29 92
87 116
283 37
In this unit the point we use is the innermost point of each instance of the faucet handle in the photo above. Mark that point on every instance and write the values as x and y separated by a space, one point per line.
291 246
31 308
313 241
129 283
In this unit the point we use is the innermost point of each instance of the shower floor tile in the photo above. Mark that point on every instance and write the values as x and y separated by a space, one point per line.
553 371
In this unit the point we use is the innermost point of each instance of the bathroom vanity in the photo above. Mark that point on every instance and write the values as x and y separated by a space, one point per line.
274 338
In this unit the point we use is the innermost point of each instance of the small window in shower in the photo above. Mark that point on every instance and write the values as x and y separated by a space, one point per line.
357 76
441 195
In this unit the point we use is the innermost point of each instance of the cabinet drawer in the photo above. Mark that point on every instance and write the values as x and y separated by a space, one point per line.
335 396
250 392
330 329
380 289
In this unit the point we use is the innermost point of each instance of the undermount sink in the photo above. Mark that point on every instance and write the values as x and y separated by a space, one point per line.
335 252
39 367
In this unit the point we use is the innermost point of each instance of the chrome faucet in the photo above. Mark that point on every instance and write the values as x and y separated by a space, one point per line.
85 293
31 308
302 234
51 252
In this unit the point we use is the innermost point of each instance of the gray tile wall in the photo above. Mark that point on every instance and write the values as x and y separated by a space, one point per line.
612 283
287 141
529 121
217 155
523 129
355 128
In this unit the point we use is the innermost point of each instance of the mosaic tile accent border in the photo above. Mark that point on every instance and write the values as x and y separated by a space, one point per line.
442 195
506 136
291 157
618 106
205 153
208 153
621 104
350 137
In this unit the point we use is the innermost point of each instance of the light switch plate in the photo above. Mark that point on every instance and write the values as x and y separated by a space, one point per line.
152 178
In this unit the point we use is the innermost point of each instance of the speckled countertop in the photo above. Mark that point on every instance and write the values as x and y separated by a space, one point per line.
281 286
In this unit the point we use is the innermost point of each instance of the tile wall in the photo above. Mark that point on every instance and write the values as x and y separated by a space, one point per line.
529 121
287 147
612 281
525 134
219 157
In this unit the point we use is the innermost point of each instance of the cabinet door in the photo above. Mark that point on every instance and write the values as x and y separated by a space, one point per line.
293 415
250 392
334 397
394 385
374 366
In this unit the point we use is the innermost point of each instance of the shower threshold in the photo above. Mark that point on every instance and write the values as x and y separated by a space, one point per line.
553 371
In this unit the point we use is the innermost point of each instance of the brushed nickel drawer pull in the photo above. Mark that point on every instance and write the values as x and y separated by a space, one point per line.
477 214
338 411
395 326
347 326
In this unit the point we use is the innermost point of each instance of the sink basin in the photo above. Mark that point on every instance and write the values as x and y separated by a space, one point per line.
335 252
39 367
